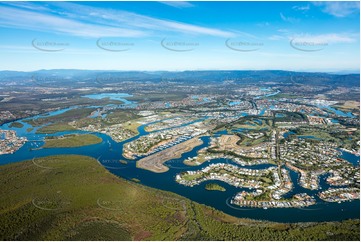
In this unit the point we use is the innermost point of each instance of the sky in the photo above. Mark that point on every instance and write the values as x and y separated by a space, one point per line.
177 36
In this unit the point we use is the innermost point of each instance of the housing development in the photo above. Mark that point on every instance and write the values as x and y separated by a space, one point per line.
180 120
271 144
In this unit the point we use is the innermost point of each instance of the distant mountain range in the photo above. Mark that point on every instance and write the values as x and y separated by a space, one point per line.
48 77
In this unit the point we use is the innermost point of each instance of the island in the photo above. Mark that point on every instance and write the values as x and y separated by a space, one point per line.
180 121
276 146
71 140
214 187
16 125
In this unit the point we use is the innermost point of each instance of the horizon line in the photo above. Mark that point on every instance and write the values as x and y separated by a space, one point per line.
196 70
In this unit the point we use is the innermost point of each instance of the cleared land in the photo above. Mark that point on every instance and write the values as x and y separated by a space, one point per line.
229 142
234 143
155 162
102 206
348 105
132 126
71 141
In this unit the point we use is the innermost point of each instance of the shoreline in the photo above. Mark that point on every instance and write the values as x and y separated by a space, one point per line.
155 162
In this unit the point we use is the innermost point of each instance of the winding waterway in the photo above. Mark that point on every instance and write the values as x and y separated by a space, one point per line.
109 152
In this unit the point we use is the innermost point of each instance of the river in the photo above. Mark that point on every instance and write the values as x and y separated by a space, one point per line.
109 152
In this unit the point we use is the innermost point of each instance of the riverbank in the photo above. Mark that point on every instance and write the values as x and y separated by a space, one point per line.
72 140
52 208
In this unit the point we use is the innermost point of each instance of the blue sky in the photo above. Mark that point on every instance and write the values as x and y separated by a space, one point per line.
176 36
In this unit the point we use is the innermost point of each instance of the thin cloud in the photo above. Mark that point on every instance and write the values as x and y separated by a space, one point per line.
276 37
301 8
339 9
177 4
243 34
331 38
48 23
81 20
289 19
27 5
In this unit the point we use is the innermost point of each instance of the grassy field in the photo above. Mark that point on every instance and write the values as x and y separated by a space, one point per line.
133 126
127 118
73 140
336 135
120 116
54 128
200 160
74 198
348 105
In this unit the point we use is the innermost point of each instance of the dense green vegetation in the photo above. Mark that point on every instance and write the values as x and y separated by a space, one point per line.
73 140
120 116
214 187
285 116
245 230
31 100
99 230
112 117
341 137
245 141
54 128
68 116
74 198
249 123
16 125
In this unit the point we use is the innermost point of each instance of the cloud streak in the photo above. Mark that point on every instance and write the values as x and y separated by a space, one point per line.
81 20
331 38
339 9
301 8
289 19
177 4
47 23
